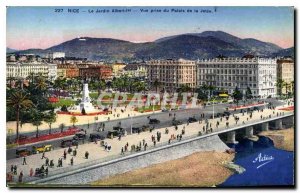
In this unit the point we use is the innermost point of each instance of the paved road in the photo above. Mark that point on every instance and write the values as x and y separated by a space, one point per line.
165 121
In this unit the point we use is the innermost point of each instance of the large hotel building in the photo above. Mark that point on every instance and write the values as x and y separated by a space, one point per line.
259 74
171 73
285 72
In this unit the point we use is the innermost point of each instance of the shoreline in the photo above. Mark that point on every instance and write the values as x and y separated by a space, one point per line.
189 171
283 139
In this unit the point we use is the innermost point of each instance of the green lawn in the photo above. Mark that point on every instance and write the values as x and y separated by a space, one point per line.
61 102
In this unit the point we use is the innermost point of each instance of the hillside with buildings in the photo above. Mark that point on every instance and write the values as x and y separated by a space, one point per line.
207 44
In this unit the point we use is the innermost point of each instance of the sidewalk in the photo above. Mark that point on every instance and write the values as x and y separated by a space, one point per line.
98 153
11 125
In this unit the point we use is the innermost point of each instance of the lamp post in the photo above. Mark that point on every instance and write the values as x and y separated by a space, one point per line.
131 125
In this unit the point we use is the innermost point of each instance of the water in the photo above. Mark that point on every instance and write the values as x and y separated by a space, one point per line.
275 166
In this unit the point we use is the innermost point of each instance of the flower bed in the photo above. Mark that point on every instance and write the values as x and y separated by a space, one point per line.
290 108
70 131
247 106
88 114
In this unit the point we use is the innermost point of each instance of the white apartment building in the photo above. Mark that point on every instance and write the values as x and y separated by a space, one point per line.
52 72
56 55
171 73
259 74
23 70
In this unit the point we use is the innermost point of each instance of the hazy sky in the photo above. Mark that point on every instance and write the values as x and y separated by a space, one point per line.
42 27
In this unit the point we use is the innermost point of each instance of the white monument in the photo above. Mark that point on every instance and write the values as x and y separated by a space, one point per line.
85 102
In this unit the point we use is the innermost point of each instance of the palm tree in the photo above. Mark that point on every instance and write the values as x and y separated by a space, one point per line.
18 100
286 85
50 118
73 120
10 79
37 121
292 86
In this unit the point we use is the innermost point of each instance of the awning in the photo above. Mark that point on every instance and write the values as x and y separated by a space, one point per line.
223 95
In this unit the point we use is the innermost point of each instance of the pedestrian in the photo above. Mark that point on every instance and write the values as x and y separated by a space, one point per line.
154 143
183 132
125 148
65 154
119 137
145 146
177 136
144 141
15 170
86 155
31 172
180 137
24 160
58 162
47 162
169 142
203 128
43 155
122 151
21 176
46 171
74 152
69 150
51 163
95 140
11 168
72 161
176 127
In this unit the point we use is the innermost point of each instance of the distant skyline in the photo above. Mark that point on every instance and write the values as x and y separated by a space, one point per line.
41 27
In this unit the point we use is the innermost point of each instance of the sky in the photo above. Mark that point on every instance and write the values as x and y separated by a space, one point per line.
43 27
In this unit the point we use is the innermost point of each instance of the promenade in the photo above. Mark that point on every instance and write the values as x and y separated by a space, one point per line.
97 153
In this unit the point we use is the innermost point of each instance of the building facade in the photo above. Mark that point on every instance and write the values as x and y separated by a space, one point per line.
259 74
172 73
52 72
136 70
285 72
56 55
117 69
99 72
24 70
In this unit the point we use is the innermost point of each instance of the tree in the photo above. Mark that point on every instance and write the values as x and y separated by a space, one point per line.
18 100
292 86
64 108
279 85
248 93
37 119
61 127
83 111
50 118
211 88
73 120
237 95
156 84
201 94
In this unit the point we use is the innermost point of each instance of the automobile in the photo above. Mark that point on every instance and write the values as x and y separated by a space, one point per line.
145 128
136 129
79 136
96 136
117 128
164 110
68 142
41 149
255 108
192 120
176 122
226 113
154 121
21 152
112 134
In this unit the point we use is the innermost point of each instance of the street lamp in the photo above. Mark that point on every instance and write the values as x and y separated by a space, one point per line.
131 125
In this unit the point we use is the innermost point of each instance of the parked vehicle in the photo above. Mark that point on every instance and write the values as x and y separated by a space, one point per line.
176 122
154 121
79 136
117 128
164 110
112 134
96 136
136 129
226 113
41 149
21 152
192 120
67 143
145 128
